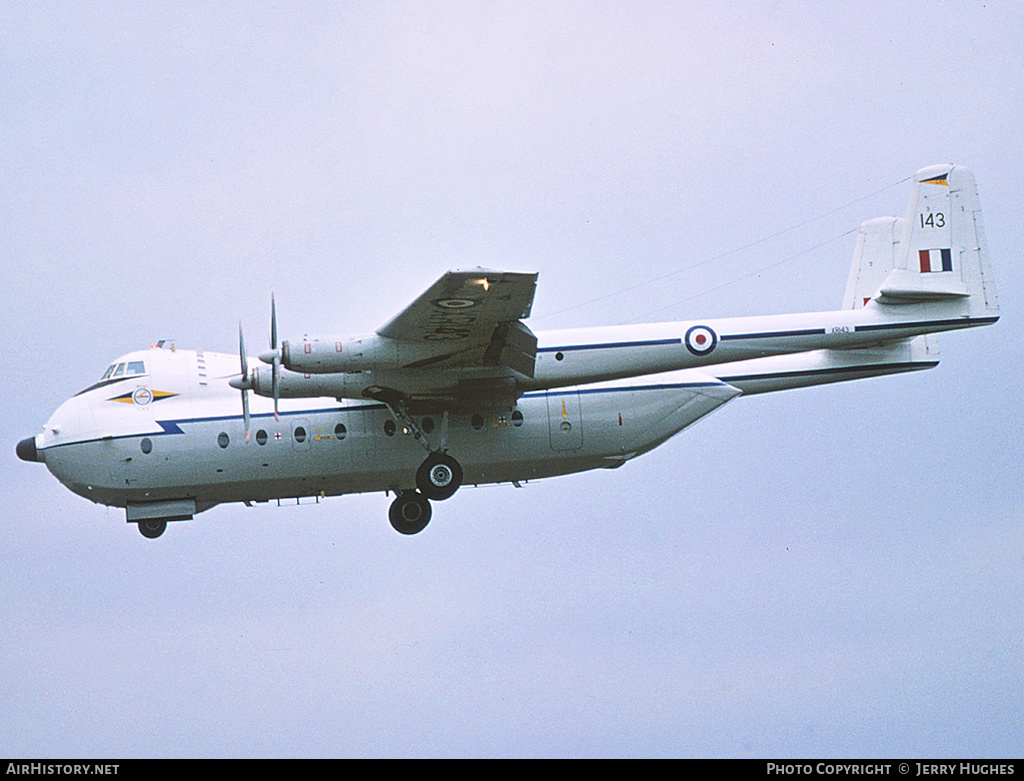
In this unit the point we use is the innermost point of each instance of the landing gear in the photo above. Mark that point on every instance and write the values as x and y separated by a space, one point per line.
410 512
439 476
152 528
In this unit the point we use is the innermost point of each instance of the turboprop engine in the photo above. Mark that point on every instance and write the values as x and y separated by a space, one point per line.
510 344
326 356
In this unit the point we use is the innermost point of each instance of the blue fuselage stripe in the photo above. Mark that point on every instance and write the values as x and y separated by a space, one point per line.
609 345
928 324
774 334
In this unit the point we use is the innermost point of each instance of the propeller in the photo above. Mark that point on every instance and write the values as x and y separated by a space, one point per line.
247 382
273 357
244 383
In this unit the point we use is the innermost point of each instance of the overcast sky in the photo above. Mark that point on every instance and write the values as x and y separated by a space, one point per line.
826 572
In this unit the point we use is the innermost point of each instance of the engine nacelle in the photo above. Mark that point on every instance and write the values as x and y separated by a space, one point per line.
325 356
510 345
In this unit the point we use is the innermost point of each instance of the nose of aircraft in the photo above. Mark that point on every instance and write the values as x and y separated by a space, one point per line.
27 451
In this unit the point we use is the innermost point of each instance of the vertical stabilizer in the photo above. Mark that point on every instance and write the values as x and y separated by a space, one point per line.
942 255
874 258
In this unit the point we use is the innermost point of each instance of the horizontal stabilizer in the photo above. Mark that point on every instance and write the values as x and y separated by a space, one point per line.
905 286
823 367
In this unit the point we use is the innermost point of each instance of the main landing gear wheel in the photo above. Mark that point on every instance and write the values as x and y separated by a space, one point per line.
410 512
152 528
439 476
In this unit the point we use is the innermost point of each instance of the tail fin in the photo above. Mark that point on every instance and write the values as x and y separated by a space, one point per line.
937 254
943 254
874 258
879 247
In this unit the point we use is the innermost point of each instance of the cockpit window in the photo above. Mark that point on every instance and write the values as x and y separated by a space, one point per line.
124 369
118 371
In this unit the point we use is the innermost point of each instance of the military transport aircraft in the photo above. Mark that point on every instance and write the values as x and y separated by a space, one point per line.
457 390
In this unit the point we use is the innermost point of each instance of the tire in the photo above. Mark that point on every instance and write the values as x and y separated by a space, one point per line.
439 476
152 528
410 513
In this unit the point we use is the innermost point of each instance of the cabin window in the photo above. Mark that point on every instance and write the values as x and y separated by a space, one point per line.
389 427
427 425
261 437
517 418
477 421
223 439
147 445
340 431
300 434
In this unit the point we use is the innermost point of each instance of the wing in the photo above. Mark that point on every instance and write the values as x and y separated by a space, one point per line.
470 318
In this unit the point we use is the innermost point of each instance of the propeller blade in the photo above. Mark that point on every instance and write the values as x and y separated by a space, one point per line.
275 383
273 323
276 370
245 414
245 383
241 352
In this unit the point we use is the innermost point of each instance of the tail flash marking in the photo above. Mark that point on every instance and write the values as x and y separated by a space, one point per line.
933 260
937 180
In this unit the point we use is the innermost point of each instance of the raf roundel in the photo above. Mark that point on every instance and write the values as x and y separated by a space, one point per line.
701 340
455 303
